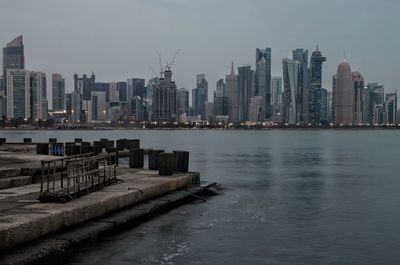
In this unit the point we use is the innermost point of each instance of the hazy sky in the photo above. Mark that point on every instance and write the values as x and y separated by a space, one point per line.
119 39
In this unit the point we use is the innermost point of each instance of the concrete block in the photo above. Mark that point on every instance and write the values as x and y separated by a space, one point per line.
136 158
153 159
132 144
181 161
42 149
166 164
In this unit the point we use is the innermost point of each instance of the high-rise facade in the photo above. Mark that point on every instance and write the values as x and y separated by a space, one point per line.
18 94
13 57
344 97
358 104
58 92
231 92
164 99
255 108
292 99
391 108
183 102
245 88
200 95
301 56
263 80
38 88
315 81
321 106
276 95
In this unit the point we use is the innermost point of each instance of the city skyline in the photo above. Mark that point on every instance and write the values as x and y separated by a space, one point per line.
130 57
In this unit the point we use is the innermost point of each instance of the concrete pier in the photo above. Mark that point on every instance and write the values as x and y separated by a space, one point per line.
24 218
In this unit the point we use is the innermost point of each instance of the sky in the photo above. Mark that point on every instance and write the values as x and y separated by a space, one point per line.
121 39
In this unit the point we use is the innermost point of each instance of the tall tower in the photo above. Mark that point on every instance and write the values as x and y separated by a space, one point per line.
358 86
301 56
276 92
13 56
245 87
315 80
231 91
344 94
164 98
291 96
263 80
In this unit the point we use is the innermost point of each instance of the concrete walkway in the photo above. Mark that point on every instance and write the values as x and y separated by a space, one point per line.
24 218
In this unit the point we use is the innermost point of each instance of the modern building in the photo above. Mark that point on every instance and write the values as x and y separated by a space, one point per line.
292 99
114 93
58 92
333 100
183 103
98 107
18 94
220 90
38 88
200 96
263 80
122 88
13 57
136 88
344 96
321 106
391 108
276 95
73 103
246 83
231 92
164 98
304 96
221 106
315 81
209 107
374 102
358 104
255 108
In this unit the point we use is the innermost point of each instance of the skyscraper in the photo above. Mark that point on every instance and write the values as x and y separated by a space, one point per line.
245 87
391 108
122 88
315 80
13 57
263 80
183 101
231 92
344 97
18 94
358 104
291 97
220 90
164 98
321 106
276 94
38 86
200 95
301 56
58 92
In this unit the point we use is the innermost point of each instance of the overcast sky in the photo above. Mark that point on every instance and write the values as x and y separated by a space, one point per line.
119 39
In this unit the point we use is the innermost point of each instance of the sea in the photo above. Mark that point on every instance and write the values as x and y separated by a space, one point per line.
286 197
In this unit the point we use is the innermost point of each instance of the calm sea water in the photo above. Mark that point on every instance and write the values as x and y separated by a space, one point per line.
292 197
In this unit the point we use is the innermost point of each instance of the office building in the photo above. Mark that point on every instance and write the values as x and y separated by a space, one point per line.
315 81
358 104
344 97
18 94
391 108
292 100
231 92
255 109
263 80
58 92
183 102
38 88
321 106
246 82
13 57
276 95
200 95
304 96
164 98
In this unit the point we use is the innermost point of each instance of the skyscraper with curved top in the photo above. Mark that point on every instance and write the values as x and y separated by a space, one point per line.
344 94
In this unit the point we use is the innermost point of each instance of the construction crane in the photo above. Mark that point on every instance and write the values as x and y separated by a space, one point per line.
173 58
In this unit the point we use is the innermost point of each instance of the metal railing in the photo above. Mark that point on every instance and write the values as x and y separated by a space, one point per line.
78 175
56 169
